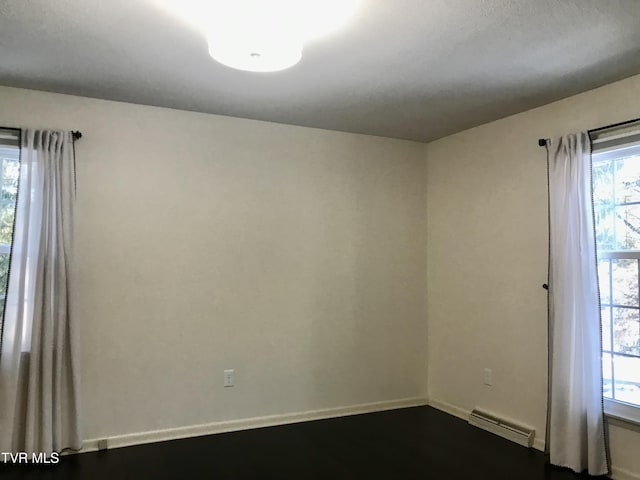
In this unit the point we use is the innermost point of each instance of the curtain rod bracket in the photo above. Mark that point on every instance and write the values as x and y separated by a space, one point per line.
76 134
542 142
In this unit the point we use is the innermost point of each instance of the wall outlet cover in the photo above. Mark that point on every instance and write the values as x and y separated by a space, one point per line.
229 378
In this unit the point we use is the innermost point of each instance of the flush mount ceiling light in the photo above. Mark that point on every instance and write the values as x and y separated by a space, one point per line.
254 35
263 35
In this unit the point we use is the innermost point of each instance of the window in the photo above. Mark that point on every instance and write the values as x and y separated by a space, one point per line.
616 192
9 170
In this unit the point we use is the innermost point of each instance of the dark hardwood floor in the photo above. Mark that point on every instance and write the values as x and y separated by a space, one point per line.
411 443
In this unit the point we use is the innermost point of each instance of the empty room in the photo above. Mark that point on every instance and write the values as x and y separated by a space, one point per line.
320 239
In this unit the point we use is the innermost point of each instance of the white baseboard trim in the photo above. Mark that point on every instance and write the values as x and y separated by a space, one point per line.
622 474
538 443
450 409
249 423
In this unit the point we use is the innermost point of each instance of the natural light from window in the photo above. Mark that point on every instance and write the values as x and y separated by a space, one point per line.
616 190
9 170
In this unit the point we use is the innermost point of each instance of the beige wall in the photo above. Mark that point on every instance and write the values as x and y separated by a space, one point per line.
297 257
487 259
294 255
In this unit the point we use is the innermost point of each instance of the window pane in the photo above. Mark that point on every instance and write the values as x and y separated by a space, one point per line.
602 173
605 231
603 277
627 227
605 315
10 171
4 270
625 282
7 213
627 185
616 191
603 201
627 375
626 330
606 375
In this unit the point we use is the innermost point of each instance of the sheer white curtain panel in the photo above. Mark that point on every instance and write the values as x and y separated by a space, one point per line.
576 426
39 373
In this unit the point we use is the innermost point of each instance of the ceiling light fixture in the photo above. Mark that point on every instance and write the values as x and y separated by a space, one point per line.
263 35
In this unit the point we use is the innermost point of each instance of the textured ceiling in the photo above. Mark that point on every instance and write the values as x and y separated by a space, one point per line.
415 69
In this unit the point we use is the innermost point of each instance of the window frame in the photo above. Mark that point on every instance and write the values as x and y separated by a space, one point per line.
621 410
607 145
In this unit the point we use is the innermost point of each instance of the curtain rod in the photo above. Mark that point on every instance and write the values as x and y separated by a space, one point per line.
620 124
542 142
75 134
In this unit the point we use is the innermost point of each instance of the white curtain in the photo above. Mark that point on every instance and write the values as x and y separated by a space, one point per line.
39 357
576 426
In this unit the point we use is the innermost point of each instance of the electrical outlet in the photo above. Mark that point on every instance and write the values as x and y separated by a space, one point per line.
488 376
229 378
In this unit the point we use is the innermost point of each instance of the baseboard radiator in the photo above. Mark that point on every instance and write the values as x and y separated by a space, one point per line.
516 433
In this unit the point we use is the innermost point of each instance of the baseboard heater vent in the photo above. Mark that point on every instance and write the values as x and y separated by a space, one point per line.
516 433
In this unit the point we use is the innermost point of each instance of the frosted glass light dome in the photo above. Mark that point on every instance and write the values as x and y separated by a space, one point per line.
262 35
255 58
255 47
